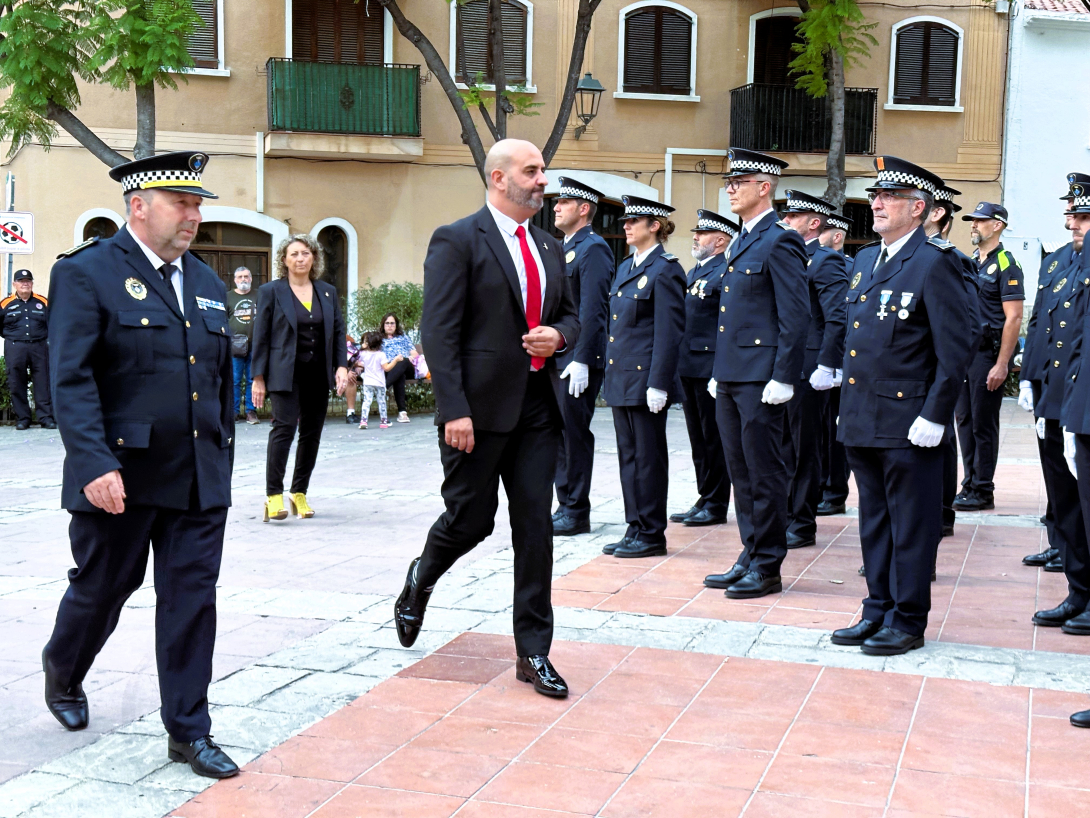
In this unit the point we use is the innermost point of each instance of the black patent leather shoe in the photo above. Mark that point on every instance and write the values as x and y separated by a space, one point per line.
568 526
1054 566
862 571
704 517
974 502
558 514
857 634
1081 719
1038 560
891 642
795 541
1077 625
540 671
827 509
753 585
725 580
682 516
22 425
49 424
203 756
1055 617
409 608
636 548
609 548
67 704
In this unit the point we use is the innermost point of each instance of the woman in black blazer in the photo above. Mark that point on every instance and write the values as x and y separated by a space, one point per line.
299 354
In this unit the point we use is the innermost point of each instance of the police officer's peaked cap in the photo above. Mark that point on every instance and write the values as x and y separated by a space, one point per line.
799 202
837 221
179 171
23 275
898 174
574 189
1080 199
987 210
707 221
746 163
1076 179
945 197
635 206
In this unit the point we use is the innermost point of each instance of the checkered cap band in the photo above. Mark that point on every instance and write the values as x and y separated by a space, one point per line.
944 195
807 205
159 178
1081 201
838 223
739 166
635 209
570 192
910 179
704 223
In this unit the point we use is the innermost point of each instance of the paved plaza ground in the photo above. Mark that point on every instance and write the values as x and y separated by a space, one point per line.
683 702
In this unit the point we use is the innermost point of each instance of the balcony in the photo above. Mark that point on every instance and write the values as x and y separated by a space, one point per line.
785 119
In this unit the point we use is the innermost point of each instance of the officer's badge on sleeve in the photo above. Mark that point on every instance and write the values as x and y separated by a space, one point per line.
570 257
856 279
135 287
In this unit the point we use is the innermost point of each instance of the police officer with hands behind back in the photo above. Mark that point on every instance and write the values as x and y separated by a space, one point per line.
589 269
764 312
647 318
140 353
907 352
24 316
711 236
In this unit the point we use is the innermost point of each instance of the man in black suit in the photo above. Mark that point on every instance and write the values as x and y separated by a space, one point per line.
496 310
141 361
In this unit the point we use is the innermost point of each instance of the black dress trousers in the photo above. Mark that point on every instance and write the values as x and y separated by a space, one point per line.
22 357
645 470
111 555
978 425
805 413
1068 527
834 462
707 445
525 460
575 457
753 446
304 407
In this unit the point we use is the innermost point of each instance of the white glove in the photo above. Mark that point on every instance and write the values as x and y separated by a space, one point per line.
1069 453
1040 426
711 387
822 378
1025 395
925 433
656 399
776 393
580 377
838 378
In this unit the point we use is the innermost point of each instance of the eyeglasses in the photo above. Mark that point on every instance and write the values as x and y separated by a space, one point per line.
886 196
734 184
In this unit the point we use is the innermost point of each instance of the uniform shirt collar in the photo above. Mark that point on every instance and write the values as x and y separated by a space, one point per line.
892 249
153 259
752 223
578 235
640 258
506 223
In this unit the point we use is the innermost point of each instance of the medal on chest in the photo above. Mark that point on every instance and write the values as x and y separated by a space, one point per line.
698 288
906 299
883 310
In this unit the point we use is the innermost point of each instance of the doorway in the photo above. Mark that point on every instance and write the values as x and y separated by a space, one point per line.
605 224
225 247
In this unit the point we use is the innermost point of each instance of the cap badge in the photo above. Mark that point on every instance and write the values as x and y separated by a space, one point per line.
642 282
135 287
196 162
856 279
570 257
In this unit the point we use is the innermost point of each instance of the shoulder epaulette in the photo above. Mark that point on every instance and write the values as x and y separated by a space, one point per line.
81 246
8 300
784 225
941 243
669 256
868 244
1005 260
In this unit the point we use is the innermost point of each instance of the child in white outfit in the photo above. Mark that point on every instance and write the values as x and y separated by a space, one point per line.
374 379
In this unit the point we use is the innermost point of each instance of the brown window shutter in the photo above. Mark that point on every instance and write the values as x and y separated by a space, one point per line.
370 25
473 23
514 42
925 70
657 51
203 42
640 46
772 49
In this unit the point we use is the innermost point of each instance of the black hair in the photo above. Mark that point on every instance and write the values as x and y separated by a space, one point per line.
397 325
372 341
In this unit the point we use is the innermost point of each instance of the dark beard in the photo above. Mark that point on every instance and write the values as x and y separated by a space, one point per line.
523 197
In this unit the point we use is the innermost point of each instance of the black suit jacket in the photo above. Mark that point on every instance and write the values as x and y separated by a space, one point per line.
145 388
474 320
276 332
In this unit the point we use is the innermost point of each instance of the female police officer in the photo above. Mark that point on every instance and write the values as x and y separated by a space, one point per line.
647 319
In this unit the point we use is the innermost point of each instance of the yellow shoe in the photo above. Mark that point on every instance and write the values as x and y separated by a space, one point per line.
300 506
274 508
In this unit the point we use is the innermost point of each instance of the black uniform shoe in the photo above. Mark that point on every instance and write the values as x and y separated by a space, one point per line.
540 671
703 517
725 580
22 425
1041 559
948 530
636 548
1081 719
1044 520
1054 565
558 514
891 642
826 509
1077 625
1055 617
48 424
795 541
609 548
682 516
203 756
964 494
974 502
409 608
753 585
568 527
862 571
857 634
67 704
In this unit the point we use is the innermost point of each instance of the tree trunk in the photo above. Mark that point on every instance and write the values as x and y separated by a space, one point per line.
834 164
575 66
145 121
84 135
499 70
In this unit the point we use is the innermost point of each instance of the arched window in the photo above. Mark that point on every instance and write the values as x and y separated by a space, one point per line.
657 50
925 65
471 53
99 228
335 246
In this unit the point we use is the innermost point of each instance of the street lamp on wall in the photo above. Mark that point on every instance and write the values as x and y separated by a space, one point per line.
588 93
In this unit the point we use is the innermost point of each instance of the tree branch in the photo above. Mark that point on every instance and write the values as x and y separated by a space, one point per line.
499 69
145 121
835 191
575 65
84 135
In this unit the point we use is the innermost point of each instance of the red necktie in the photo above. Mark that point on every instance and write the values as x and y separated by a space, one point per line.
533 290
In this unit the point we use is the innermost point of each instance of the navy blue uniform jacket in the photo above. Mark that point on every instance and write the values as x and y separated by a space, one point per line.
704 286
589 269
1057 322
1034 353
827 276
647 319
764 309
1075 415
144 388
896 369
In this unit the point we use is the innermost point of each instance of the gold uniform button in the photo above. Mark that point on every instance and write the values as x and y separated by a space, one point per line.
757 341
611 360
722 309
611 339
120 442
614 317
639 368
730 269
856 325
192 359
1067 304
900 394
1056 363
194 396
187 325
144 322
851 380
721 329
619 293
1059 344
862 298
1063 324
705 349
194 433
852 353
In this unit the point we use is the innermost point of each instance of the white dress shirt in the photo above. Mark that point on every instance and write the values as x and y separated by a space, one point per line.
891 249
639 258
747 228
507 227
156 262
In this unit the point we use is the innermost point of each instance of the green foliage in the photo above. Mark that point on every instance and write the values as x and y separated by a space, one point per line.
141 43
522 103
829 25
369 303
5 390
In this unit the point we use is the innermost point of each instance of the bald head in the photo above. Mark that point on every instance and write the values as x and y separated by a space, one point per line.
515 172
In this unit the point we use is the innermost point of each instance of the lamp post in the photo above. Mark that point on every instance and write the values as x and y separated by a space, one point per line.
588 93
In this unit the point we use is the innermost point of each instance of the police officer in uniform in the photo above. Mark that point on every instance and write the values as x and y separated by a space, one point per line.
764 312
141 361
906 356
589 270
711 236
647 319
23 321
834 463
1001 296
827 280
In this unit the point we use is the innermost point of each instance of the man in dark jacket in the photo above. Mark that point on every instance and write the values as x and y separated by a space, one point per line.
24 316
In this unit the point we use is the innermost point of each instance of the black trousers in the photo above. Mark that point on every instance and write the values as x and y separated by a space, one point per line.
304 407
805 414
525 460
977 416
834 462
753 446
707 446
1068 527
575 456
23 357
645 470
111 556
396 378
949 448
900 524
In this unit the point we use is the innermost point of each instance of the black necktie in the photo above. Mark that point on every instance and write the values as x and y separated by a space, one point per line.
738 243
165 271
